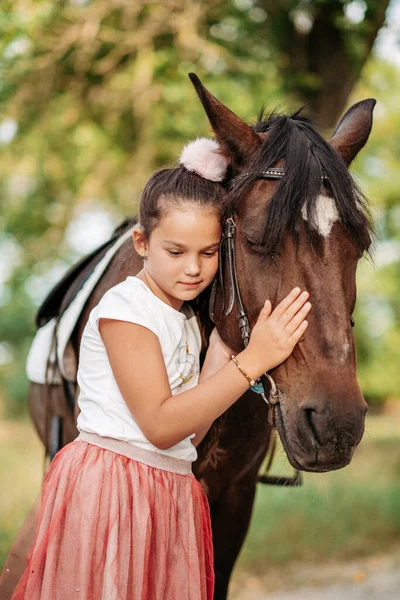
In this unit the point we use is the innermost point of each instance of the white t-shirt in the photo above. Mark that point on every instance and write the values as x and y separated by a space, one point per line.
103 409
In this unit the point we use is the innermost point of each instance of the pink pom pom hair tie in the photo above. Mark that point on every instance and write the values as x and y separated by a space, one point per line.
203 156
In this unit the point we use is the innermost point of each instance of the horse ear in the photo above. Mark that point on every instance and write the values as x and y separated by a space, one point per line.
353 130
236 138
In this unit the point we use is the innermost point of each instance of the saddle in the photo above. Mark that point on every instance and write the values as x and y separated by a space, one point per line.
63 293
52 363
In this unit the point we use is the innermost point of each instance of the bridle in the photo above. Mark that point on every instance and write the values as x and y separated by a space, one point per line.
227 249
227 252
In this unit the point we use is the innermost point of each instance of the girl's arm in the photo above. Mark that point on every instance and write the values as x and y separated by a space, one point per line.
218 355
136 359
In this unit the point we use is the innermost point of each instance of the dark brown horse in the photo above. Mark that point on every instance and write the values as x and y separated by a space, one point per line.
298 219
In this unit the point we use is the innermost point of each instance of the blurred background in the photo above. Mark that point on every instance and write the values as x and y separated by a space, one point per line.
94 96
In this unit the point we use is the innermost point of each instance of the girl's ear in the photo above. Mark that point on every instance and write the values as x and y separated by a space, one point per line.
140 242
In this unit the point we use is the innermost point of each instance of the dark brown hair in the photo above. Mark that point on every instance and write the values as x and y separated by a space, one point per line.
173 187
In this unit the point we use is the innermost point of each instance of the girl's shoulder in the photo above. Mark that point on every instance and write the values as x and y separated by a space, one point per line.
133 301
128 301
131 287
140 293
129 291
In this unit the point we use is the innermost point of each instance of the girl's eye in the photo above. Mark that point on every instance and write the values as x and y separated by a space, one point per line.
179 253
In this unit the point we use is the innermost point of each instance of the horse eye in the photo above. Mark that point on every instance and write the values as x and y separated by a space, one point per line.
255 245
251 240
352 322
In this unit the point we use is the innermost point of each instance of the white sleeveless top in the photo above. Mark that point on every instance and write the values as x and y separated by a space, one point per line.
103 409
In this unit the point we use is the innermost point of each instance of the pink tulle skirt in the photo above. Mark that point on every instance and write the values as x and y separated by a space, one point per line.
115 523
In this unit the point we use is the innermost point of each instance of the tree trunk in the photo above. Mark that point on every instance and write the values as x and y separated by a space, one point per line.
322 52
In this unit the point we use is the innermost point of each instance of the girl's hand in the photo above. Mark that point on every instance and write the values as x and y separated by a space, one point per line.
276 333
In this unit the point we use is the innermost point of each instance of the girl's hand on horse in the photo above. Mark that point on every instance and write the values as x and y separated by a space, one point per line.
276 332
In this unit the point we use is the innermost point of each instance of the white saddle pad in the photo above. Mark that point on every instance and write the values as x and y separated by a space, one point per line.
41 357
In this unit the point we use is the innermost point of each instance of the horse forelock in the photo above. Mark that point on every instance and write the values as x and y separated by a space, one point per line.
303 193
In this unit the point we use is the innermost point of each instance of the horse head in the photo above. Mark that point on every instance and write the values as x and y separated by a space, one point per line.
300 220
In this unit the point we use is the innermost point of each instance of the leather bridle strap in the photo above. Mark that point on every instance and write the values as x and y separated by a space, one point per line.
243 321
228 247
266 478
234 293
228 240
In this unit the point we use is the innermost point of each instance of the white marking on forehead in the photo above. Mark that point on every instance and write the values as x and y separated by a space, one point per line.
345 352
325 214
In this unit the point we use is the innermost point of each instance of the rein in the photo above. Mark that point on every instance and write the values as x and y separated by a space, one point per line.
227 253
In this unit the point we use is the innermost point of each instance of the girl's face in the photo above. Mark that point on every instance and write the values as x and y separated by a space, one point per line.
181 255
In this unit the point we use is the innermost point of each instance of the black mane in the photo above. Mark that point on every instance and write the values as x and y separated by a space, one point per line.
308 157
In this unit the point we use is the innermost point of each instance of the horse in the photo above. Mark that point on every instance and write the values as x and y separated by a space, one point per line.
295 217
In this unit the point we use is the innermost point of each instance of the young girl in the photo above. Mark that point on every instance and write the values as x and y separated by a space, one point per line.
122 517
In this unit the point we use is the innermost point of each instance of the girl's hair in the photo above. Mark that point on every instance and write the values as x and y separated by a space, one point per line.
176 187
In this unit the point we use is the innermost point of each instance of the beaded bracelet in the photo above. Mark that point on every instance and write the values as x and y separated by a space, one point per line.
251 381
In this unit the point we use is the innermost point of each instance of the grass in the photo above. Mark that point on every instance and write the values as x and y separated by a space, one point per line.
345 514
334 516
21 472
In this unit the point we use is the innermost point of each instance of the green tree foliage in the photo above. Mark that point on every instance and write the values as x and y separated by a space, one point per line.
322 46
95 96
378 312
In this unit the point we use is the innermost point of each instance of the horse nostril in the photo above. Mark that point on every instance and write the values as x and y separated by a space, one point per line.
310 412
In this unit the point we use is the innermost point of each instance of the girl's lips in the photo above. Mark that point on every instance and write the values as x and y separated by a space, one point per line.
191 284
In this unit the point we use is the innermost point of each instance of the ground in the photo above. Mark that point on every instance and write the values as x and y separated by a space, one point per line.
372 578
337 537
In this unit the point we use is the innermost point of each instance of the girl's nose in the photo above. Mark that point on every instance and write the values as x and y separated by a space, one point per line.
192 268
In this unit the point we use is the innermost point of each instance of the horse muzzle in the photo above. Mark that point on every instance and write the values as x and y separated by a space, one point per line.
319 436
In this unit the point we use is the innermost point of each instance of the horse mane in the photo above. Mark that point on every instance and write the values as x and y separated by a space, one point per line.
308 158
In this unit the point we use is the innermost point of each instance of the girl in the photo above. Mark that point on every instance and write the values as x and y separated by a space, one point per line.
122 517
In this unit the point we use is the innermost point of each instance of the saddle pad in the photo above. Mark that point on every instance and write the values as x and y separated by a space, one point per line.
55 335
62 294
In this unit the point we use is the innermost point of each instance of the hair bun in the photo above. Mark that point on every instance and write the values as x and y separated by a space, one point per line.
203 156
